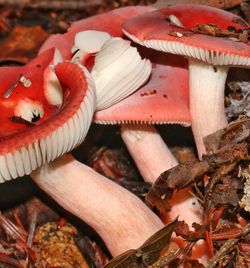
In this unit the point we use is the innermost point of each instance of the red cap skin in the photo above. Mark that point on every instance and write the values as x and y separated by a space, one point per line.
163 99
15 135
34 72
110 22
21 141
156 26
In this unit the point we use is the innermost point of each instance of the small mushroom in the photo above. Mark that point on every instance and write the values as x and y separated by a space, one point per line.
210 53
28 144
162 100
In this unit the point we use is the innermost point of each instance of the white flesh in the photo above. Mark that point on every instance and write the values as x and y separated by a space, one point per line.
91 41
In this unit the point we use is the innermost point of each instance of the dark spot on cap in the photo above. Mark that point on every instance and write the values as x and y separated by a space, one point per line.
231 28
152 92
167 19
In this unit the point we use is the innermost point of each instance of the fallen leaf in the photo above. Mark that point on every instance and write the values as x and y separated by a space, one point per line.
182 229
174 179
224 193
22 44
236 132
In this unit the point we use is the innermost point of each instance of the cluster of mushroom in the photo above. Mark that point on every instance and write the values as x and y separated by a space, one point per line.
48 105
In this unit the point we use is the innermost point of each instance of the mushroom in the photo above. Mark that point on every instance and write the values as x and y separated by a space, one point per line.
155 103
119 69
36 131
39 125
212 40
162 100
90 41
109 22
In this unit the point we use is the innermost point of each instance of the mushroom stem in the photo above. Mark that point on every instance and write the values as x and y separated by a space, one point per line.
119 217
150 153
207 84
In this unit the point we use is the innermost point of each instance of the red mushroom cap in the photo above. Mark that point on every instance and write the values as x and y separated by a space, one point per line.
32 91
26 145
164 99
110 22
156 30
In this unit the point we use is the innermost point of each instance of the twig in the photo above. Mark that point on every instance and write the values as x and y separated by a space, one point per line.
227 247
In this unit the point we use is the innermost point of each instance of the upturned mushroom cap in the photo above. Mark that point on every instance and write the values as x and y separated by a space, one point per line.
163 99
170 30
109 22
34 130
118 69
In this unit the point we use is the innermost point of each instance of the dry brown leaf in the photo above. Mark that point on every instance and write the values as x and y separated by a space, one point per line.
22 44
223 139
56 246
173 179
182 229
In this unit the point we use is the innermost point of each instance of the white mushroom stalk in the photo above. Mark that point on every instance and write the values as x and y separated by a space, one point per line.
119 217
207 85
152 157
143 142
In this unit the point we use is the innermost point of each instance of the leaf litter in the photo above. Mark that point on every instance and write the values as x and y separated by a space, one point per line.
221 181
